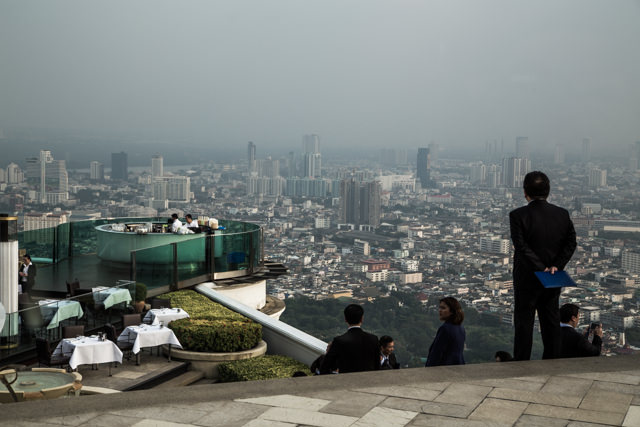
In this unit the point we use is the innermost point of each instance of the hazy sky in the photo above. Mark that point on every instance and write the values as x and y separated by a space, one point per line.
361 73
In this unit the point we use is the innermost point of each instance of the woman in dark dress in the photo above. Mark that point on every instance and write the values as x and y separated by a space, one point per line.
448 344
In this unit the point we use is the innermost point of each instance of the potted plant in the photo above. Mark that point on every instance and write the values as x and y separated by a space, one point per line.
141 295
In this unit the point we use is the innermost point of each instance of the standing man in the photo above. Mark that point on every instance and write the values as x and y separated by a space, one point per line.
354 351
387 356
27 274
544 240
175 223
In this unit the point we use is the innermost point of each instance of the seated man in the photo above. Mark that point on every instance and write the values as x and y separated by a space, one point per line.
192 224
355 350
387 357
575 344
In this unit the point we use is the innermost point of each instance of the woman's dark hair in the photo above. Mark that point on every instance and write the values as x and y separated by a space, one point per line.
536 185
457 315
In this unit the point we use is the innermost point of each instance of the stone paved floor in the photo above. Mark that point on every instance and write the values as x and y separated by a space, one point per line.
578 392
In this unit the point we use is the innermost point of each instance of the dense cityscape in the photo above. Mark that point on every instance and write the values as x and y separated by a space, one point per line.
412 221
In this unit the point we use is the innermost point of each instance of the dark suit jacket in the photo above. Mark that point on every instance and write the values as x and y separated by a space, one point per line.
543 236
31 276
447 346
354 351
574 344
391 362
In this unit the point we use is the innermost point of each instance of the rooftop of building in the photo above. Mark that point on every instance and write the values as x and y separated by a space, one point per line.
561 392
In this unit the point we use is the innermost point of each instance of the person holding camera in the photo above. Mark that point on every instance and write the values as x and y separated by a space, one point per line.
575 344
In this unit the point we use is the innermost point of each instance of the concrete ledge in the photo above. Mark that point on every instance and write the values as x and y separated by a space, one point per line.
305 385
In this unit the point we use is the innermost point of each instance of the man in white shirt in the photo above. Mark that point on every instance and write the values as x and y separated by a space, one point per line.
190 222
176 224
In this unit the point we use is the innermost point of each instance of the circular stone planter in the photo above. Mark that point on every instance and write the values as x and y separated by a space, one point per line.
208 362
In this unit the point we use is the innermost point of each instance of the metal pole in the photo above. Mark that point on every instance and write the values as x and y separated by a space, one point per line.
132 267
174 285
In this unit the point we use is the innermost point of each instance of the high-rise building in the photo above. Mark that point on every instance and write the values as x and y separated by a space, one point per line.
522 147
631 261
268 167
360 202
174 188
597 178
119 166
157 166
433 152
14 174
251 155
96 171
586 150
49 176
423 169
634 157
558 156
311 143
513 171
478 174
311 157
494 244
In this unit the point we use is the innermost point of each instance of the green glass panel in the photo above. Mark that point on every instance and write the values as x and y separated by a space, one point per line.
191 258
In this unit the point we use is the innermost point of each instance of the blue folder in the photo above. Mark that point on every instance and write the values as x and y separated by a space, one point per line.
558 280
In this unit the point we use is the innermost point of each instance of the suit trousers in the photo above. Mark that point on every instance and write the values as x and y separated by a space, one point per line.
528 299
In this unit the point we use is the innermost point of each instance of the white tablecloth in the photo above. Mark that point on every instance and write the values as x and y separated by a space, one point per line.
111 296
58 311
88 350
164 315
148 336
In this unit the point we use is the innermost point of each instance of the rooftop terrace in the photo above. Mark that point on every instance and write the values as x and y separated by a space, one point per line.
563 392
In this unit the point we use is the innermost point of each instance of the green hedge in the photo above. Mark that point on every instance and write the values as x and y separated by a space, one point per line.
211 326
260 368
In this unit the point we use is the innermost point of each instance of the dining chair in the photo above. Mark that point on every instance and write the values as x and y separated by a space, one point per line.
32 319
45 354
124 346
130 320
72 331
160 302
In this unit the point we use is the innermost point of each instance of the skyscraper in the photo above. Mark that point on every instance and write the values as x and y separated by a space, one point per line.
251 155
423 169
96 171
558 157
360 202
522 147
433 152
157 165
586 150
513 171
311 157
597 178
119 166
50 176
311 143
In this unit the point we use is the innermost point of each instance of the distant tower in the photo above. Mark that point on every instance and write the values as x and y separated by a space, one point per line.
423 169
311 143
119 166
96 171
586 150
522 147
433 152
311 157
251 155
360 202
513 171
558 157
157 165
597 178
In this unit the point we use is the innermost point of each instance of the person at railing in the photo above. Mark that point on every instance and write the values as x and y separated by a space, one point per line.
175 223
27 274
387 357
191 224
448 344
355 350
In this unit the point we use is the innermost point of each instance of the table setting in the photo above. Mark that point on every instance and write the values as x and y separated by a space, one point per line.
89 350
156 316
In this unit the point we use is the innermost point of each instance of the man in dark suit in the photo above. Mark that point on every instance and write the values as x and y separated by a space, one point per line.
387 357
27 274
573 343
544 240
354 351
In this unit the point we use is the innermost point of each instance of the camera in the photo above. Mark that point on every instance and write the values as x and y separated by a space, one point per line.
593 326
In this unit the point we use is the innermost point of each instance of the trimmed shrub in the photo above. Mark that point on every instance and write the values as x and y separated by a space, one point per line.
211 326
260 368
217 336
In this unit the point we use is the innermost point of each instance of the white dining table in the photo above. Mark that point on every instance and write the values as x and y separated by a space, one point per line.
59 310
157 316
111 296
148 336
88 351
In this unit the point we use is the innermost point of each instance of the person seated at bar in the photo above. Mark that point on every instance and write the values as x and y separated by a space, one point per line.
191 224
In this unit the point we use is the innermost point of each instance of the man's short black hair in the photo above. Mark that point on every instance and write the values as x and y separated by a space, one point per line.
536 185
504 356
385 340
567 311
27 256
174 216
189 216
353 314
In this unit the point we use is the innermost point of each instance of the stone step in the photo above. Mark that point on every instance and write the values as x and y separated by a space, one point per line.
185 379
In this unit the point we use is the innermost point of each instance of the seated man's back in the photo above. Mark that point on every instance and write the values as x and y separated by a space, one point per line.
573 343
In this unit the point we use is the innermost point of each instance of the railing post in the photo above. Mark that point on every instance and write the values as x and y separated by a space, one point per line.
261 246
174 284
251 253
132 267
55 245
